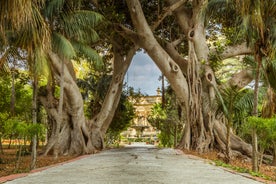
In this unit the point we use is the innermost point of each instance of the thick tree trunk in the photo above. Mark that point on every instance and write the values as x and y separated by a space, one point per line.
74 136
195 86
102 120
166 64
237 144
214 130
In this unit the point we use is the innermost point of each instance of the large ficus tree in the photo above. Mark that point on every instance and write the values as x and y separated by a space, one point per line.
192 79
73 35
173 33
54 32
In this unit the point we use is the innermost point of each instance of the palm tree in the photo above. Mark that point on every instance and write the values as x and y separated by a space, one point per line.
234 103
52 33
23 28
72 34
259 28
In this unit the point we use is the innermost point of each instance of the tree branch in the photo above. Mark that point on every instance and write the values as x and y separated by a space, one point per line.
183 16
167 11
126 33
241 79
170 49
236 50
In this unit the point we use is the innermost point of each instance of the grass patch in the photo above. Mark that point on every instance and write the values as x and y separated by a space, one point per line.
242 170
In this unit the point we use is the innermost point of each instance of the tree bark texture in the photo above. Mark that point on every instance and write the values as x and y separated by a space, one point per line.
76 134
74 137
193 87
34 114
255 156
100 122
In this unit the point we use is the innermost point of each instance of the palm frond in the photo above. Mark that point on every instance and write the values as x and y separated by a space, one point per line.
62 46
86 18
40 64
89 53
271 73
34 33
15 13
244 100
216 7
53 7
80 25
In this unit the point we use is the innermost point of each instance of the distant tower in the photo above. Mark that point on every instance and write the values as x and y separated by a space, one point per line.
158 91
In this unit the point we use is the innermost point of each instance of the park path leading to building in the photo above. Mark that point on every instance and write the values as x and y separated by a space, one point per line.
135 164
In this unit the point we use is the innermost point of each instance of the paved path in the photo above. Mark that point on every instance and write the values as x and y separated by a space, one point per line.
135 164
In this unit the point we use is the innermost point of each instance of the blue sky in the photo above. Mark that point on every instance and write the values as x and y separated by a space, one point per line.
143 74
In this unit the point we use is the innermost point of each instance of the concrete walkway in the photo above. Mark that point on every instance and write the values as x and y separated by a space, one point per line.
135 164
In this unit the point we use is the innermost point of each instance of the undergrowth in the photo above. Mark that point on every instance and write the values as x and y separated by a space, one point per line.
242 170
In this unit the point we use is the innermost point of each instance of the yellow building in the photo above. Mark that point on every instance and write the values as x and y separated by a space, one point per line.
140 127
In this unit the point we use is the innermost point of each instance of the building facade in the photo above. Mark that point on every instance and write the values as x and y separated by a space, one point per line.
140 127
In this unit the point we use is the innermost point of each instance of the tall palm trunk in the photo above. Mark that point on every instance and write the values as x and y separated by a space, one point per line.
34 114
255 168
13 92
229 124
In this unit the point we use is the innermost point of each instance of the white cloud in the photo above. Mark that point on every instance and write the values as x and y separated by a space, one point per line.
143 74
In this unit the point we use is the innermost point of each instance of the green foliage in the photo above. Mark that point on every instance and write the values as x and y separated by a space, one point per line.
23 95
223 164
72 28
241 169
3 118
271 73
121 120
15 128
5 91
93 88
266 130
167 121
76 22
89 53
63 46
235 104
157 115
53 7
123 115
166 139
18 127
